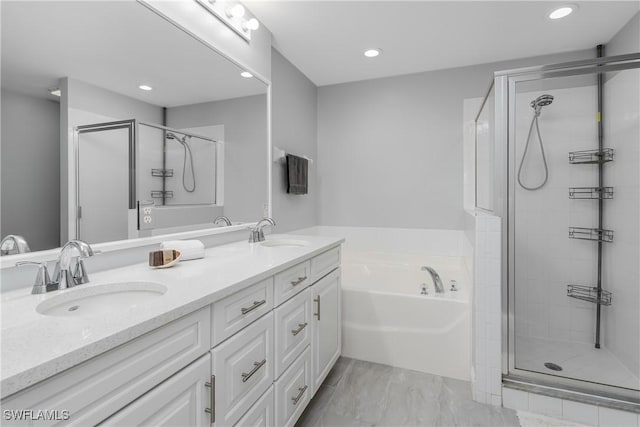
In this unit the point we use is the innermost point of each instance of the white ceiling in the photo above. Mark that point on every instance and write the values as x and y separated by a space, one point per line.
326 39
117 45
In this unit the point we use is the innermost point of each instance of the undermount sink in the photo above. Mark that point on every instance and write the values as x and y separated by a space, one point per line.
284 243
100 299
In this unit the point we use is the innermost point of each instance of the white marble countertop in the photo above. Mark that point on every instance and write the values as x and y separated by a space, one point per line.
35 347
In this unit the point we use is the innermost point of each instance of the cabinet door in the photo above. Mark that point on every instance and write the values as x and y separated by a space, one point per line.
243 366
179 401
326 326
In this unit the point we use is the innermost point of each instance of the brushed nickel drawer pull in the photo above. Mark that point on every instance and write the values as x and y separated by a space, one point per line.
299 396
317 299
256 366
255 305
301 326
212 401
300 280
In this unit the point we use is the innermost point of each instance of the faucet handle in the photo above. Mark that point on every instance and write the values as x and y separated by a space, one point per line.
42 278
80 273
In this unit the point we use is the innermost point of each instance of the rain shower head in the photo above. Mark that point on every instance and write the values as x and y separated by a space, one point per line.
541 101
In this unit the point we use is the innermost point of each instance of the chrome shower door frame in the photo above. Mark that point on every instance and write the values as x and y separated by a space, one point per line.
505 94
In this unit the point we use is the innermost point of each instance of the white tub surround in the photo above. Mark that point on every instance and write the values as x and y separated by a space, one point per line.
36 347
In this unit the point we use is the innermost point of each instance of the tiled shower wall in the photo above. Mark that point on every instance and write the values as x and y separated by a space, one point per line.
621 274
487 344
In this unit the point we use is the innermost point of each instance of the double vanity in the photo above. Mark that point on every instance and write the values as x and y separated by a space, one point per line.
244 336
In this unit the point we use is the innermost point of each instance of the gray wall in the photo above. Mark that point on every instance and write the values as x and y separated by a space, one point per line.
245 150
627 40
30 169
294 129
390 149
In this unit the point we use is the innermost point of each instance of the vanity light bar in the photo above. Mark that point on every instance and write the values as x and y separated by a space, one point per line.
232 14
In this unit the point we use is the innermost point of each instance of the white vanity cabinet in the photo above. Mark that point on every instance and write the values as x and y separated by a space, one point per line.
255 357
182 400
99 387
326 342
243 370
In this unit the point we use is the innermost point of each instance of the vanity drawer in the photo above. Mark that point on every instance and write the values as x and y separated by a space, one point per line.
293 391
179 401
243 367
293 330
291 281
236 311
324 263
99 387
261 413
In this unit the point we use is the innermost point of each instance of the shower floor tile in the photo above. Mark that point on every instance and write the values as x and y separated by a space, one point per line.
359 393
578 360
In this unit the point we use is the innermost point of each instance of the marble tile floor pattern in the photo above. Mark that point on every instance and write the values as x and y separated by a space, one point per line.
359 393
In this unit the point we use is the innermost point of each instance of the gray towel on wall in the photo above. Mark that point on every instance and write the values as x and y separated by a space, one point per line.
297 173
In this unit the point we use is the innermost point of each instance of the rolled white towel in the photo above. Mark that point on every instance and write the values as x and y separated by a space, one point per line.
190 249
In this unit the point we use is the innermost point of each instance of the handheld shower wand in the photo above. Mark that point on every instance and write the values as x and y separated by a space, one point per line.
187 149
536 104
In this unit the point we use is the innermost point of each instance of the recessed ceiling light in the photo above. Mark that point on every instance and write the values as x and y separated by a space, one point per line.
372 53
145 87
246 74
562 11
55 92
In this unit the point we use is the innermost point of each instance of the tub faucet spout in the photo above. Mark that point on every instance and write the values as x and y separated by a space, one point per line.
436 279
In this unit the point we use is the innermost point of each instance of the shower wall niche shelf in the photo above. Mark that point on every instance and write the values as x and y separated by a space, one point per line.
596 234
162 173
591 156
589 293
591 193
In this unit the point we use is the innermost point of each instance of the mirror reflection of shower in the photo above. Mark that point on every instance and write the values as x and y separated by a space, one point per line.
187 151
536 104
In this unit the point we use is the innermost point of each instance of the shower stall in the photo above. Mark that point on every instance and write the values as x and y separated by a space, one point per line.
566 183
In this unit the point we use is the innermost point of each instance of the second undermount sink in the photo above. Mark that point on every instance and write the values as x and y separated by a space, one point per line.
286 243
100 299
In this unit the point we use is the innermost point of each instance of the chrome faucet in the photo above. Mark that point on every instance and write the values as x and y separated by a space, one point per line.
13 244
222 219
63 276
256 233
43 283
436 279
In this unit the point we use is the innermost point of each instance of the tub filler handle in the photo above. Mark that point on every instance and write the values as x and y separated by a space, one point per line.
317 299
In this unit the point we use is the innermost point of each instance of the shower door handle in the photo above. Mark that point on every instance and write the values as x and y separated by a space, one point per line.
317 300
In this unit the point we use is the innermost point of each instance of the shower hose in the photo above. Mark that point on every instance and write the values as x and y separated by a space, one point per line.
534 122
185 146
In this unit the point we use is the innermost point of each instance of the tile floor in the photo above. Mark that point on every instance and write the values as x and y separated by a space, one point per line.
358 393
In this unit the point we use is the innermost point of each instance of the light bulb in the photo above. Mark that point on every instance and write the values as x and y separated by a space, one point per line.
236 11
246 74
251 25
145 87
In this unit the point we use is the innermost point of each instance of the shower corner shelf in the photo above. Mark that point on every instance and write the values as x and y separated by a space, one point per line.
162 173
591 193
596 234
591 156
589 293
162 194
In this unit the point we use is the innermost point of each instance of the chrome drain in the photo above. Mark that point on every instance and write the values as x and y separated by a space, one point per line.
73 308
553 366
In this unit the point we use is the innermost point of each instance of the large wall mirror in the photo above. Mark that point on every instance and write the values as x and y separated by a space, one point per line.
117 124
